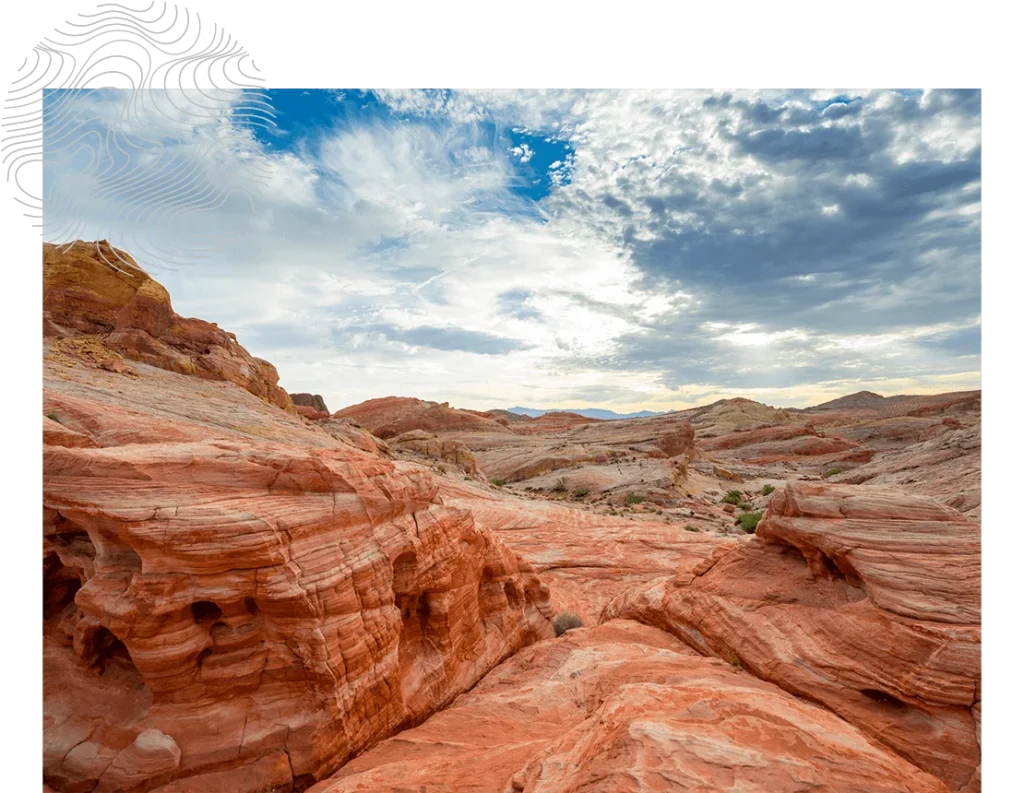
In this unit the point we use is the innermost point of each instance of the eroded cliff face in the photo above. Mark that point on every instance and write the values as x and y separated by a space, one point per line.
237 600
863 600
96 300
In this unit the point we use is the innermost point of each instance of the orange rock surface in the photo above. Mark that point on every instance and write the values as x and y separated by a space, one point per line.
390 416
230 588
623 708
93 289
240 598
865 601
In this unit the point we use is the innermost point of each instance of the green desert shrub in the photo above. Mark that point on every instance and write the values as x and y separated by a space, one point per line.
561 484
749 520
692 528
767 490
498 482
634 498
53 417
732 497
566 621
833 472
580 492
745 506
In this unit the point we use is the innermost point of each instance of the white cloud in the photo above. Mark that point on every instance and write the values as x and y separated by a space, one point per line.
522 152
379 255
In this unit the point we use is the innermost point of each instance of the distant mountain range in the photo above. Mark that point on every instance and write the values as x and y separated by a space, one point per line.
590 413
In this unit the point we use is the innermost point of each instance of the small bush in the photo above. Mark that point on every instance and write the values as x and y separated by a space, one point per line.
745 506
692 528
53 417
561 484
767 490
634 498
748 521
580 492
833 472
733 497
498 482
566 621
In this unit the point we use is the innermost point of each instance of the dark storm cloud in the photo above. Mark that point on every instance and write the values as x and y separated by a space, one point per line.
816 144
965 341
883 244
821 220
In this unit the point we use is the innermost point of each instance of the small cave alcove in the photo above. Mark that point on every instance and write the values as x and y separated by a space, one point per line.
206 612
107 654
60 583
884 698
423 608
512 594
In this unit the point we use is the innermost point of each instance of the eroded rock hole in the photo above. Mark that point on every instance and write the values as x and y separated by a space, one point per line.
204 611
884 698
423 608
302 783
512 594
844 572
405 604
60 583
251 607
104 651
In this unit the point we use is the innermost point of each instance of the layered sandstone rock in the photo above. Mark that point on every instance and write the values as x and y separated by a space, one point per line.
734 415
390 416
427 445
349 432
314 401
945 464
624 708
312 413
648 456
865 601
238 600
784 442
93 289
584 559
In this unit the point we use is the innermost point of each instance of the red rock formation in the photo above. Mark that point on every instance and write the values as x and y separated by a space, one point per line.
312 413
624 708
314 401
93 289
864 601
583 558
423 444
236 599
781 443
558 421
945 464
735 440
647 455
390 416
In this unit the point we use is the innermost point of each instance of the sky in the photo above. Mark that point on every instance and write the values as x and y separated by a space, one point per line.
624 250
